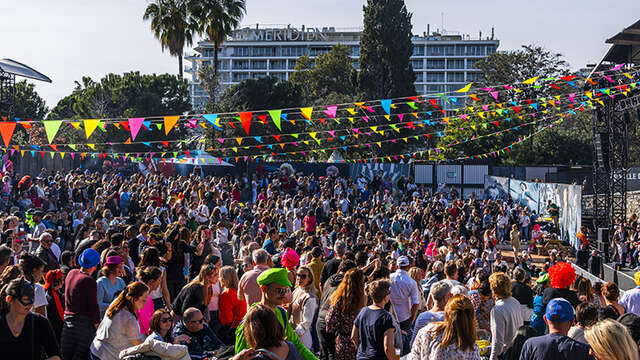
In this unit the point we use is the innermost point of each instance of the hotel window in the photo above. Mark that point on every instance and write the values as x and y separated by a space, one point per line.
471 62
455 64
473 76
434 89
259 75
459 50
263 51
207 53
417 64
419 77
435 64
455 77
293 51
434 77
280 75
241 64
318 51
475 50
491 49
241 51
355 50
292 64
449 50
418 50
259 64
435 50
238 77
356 65
277 64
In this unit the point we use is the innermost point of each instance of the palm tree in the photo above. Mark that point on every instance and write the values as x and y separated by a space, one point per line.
217 19
171 25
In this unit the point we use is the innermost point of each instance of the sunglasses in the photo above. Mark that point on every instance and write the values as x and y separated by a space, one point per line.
282 291
197 321
166 320
301 276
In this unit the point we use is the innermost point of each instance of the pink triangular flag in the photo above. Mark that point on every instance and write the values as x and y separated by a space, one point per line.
331 111
134 125
494 94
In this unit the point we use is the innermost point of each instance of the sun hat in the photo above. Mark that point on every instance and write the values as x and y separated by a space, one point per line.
89 258
113 260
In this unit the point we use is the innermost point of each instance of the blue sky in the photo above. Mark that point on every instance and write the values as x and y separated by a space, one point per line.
67 39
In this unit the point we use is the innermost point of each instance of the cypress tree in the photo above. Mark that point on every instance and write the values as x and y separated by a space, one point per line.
385 49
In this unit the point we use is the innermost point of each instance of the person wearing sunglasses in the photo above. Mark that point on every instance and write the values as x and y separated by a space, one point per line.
160 328
275 287
202 340
24 334
304 305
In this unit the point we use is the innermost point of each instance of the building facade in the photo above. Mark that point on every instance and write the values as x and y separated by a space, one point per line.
441 62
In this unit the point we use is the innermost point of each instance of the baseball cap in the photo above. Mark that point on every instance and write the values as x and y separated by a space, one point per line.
559 310
403 261
89 258
274 275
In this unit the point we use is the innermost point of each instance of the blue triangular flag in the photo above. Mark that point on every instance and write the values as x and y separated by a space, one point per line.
386 105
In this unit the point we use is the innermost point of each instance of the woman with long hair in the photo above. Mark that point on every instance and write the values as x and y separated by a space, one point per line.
24 334
610 340
197 293
33 270
150 276
373 328
454 338
160 328
160 296
584 290
346 303
232 309
417 275
119 328
304 305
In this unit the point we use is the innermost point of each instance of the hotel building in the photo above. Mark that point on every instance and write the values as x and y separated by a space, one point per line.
442 62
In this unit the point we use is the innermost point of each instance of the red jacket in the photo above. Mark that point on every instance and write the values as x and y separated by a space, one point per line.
232 310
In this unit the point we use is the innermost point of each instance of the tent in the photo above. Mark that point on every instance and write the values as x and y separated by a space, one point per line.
200 158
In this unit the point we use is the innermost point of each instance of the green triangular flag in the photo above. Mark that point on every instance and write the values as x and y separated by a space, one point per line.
51 127
73 147
295 135
275 116
159 126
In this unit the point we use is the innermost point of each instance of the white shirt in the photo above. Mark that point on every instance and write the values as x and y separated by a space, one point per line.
39 299
506 318
404 294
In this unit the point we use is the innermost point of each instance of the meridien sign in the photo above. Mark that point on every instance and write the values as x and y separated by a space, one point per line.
288 34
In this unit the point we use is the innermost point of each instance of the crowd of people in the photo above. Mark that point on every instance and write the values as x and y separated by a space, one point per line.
286 266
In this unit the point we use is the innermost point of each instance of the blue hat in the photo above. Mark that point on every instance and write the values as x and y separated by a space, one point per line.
89 258
559 310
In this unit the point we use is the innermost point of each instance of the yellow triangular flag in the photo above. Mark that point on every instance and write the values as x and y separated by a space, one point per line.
306 112
313 134
388 117
76 125
239 140
464 89
62 155
531 80
93 146
90 125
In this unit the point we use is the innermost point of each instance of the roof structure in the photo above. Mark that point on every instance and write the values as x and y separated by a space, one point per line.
625 46
15 68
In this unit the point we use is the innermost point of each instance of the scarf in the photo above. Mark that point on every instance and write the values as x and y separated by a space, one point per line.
56 298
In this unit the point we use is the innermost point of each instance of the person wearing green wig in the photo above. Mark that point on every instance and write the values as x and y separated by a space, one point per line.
275 285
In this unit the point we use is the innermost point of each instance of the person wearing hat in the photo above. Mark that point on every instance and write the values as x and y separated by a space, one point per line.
559 316
275 285
537 320
55 301
631 298
81 311
110 283
404 298
23 333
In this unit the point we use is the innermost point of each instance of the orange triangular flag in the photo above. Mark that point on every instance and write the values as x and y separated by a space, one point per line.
7 129
245 118
169 123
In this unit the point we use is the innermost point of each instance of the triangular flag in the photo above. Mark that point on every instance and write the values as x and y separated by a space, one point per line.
159 126
386 105
239 140
93 146
169 123
306 112
51 127
245 118
90 125
213 120
275 117
465 89
531 80
331 111
135 124
7 129
147 124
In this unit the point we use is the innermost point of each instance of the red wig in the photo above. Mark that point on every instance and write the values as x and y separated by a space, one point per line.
562 275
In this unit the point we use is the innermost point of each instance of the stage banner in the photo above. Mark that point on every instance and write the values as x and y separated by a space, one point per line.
524 193
370 170
496 187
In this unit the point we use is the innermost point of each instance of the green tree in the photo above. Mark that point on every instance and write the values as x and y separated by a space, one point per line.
217 19
171 25
385 49
330 75
129 95
28 105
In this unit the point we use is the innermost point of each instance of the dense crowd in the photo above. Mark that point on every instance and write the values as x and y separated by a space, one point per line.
286 266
